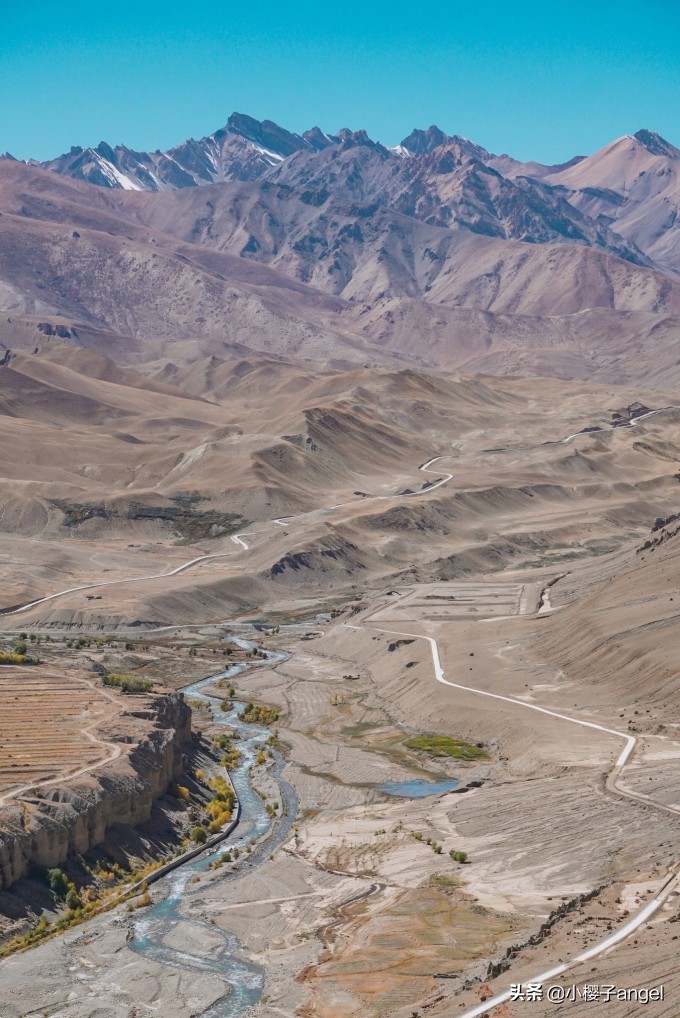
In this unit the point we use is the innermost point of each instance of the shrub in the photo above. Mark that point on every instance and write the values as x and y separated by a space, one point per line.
127 683
11 659
219 822
198 835
231 758
254 714
220 807
58 882
73 900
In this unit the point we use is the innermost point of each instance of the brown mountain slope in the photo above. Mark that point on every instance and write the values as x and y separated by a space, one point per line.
627 612
623 198
362 251
169 277
632 184
108 477
266 425
123 283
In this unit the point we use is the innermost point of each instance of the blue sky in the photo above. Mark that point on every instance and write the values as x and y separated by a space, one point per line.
538 80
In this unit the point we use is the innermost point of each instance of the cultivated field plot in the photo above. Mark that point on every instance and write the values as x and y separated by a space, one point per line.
444 602
48 727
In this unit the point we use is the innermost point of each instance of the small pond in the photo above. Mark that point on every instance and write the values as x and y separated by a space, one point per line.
418 789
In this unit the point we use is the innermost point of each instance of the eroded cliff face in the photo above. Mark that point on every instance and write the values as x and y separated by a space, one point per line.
44 828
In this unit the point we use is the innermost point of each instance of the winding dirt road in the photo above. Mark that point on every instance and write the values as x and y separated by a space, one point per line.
669 885
236 538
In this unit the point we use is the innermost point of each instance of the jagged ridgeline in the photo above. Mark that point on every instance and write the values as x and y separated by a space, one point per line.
335 247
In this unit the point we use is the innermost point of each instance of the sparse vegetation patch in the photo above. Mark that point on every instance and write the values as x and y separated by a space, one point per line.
127 683
259 715
15 658
445 745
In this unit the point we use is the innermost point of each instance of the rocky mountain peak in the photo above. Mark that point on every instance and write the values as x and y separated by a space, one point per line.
104 149
264 133
316 138
352 138
655 144
420 141
438 179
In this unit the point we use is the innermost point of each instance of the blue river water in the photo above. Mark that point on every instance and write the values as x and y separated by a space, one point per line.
153 926
173 894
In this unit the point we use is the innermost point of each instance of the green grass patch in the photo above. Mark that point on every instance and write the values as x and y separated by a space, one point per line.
445 745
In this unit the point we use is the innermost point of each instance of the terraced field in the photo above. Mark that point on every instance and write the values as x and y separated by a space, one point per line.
49 722
443 602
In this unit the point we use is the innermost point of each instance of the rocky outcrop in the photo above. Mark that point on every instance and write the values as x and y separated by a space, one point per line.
43 829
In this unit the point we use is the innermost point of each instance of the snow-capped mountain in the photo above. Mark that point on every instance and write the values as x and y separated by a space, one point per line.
339 247
624 198
244 149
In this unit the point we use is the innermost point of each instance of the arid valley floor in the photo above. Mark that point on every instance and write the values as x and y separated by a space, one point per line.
492 560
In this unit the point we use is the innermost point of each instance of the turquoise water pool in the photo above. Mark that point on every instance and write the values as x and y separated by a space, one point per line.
418 789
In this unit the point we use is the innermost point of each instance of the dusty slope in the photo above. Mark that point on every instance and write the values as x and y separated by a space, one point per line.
148 480
132 288
627 617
